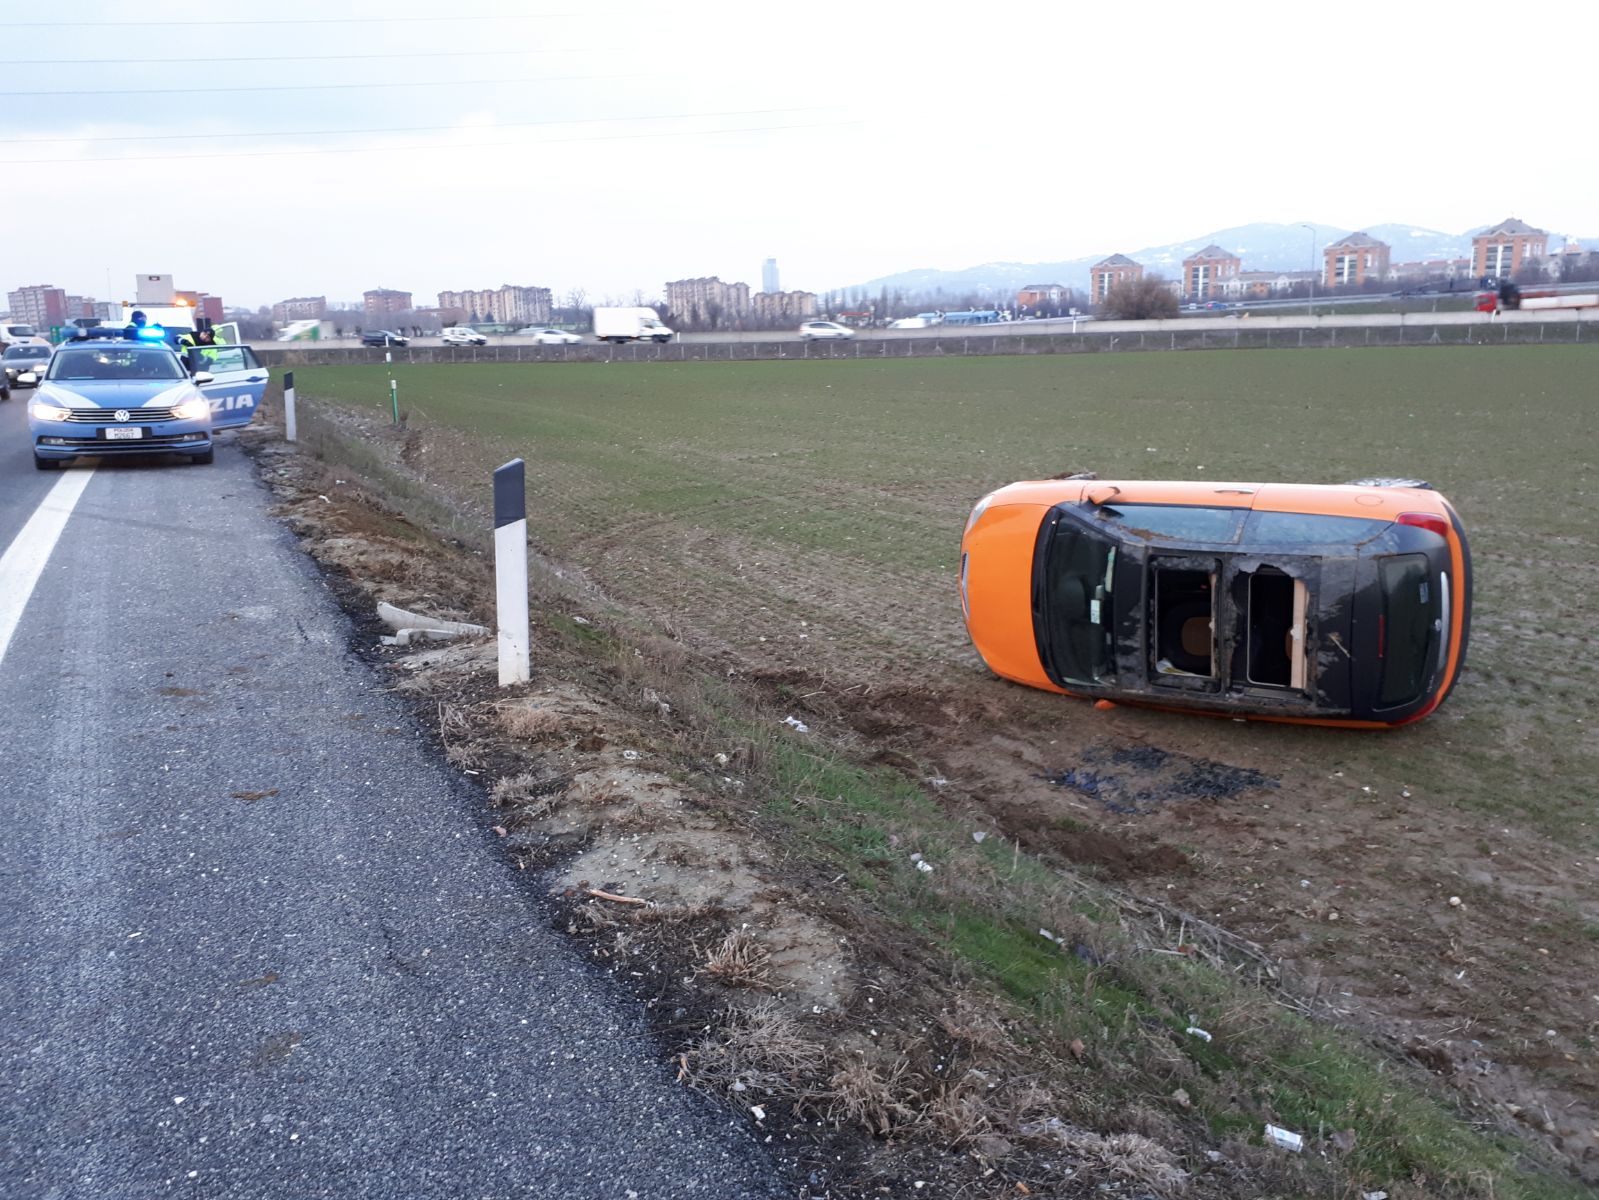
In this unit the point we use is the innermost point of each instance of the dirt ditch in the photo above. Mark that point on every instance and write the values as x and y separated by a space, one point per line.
873 1065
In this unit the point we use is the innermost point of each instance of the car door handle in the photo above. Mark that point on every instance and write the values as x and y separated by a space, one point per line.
254 378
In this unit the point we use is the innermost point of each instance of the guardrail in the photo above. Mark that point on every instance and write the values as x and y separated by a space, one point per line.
1222 333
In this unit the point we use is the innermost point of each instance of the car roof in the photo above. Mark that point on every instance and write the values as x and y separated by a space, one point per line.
1354 500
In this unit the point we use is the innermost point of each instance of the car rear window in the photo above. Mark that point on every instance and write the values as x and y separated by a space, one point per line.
1178 522
1406 633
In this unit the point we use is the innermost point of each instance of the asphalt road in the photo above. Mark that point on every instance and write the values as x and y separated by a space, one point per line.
254 940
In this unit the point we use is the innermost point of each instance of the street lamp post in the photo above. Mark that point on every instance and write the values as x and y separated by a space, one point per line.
1312 229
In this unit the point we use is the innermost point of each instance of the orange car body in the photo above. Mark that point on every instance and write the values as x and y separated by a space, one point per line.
1335 605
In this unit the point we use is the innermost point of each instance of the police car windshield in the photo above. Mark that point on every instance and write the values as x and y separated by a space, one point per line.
80 363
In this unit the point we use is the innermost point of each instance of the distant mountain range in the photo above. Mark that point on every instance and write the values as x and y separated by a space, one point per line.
1262 246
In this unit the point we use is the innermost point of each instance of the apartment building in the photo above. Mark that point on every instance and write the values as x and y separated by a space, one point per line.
1107 273
783 308
508 304
1506 248
1206 272
39 305
1251 285
1433 268
300 308
1046 297
383 302
1352 260
707 301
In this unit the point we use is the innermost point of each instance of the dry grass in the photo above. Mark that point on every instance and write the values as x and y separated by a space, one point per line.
1118 1156
740 961
759 1049
528 724
860 1095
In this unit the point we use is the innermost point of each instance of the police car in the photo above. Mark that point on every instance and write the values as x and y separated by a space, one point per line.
110 395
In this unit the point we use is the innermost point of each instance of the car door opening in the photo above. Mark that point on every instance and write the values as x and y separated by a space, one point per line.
1276 629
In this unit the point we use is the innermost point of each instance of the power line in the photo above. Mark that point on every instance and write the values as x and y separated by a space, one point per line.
190 60
610 137
88 25
319 87
169 137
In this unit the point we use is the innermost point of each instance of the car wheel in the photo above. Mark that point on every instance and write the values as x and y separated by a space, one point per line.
201 460
46 464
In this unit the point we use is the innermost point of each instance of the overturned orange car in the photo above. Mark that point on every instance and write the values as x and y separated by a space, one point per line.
1321 604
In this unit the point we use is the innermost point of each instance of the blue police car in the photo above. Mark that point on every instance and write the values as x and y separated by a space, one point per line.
113 396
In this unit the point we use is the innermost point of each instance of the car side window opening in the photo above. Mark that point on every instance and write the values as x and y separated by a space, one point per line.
1185 621
1078 610
1179 522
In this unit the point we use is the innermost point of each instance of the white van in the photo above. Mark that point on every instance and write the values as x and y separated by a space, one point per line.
618 325
13 333
462 335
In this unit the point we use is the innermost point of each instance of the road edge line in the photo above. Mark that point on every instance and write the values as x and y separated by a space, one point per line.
24 560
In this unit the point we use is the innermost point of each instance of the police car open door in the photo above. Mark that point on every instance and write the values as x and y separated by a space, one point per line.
238 381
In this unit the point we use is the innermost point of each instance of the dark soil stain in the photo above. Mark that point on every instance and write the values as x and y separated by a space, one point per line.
1137 780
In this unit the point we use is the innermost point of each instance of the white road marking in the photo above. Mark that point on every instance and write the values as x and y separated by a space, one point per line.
24 560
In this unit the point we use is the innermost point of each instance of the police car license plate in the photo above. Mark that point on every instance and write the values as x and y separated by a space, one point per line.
123 435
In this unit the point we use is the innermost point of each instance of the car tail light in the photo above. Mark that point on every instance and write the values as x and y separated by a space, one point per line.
1436 524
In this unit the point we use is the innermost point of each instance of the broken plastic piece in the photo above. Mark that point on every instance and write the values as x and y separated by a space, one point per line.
1285 1139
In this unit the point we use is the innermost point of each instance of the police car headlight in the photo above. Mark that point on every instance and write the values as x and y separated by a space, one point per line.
192 410
48 412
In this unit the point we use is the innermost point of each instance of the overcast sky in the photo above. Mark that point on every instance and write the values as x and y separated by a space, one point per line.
612 145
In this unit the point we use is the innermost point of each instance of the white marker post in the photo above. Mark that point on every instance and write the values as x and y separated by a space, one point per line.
510 571
290 430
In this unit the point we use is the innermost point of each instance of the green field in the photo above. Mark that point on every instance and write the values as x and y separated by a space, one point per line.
807 515
859 475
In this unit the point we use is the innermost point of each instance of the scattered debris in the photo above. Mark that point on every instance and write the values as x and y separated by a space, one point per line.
979 836
1285 1139
612 896
1202 1034
252 797
796 724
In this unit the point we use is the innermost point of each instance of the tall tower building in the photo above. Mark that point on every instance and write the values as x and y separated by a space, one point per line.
769 281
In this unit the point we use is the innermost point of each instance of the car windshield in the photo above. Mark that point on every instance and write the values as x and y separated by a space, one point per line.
1078 569
15 352
20 331
114 362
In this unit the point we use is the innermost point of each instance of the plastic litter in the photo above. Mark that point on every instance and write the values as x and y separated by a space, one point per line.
1285 1139
1202 1034
796 724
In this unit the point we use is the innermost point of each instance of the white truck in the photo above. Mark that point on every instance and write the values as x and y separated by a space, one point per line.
618 325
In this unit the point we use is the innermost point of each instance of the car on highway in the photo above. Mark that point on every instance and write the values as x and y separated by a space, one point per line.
383 337
21 360
1316 604
15 332
815 331
460 335
553 337
113 396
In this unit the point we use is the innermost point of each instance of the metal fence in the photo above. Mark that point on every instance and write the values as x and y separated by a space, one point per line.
974 345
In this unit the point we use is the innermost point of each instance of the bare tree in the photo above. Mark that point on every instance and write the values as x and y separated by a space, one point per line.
1145 299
